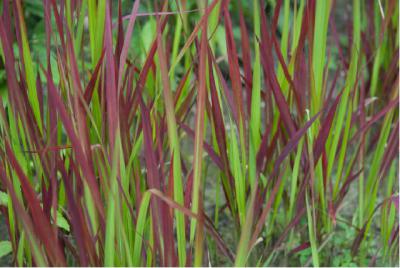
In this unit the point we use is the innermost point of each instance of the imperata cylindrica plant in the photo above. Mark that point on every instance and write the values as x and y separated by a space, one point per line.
199 133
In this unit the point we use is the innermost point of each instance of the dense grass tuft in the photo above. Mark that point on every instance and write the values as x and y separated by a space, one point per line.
194 133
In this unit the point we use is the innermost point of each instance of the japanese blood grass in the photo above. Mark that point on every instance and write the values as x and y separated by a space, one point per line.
198 133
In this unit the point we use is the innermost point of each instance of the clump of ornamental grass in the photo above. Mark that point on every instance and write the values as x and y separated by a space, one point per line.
260 133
